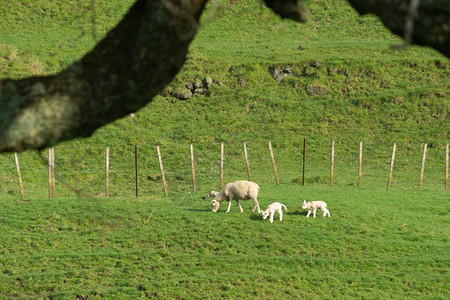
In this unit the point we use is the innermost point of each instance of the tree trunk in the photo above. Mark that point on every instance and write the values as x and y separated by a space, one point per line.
135 61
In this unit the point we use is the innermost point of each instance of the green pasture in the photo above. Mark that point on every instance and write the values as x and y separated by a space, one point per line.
377 244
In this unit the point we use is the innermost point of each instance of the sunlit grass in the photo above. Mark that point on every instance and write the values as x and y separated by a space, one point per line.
375 243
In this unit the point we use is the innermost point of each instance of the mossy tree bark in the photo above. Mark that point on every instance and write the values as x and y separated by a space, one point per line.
134 62
140 56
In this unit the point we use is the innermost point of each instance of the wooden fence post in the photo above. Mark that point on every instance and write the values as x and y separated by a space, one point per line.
107 171
136 167
360 165
423 166
273 163
304 157
392 167
162 171
332 164
446 167
16 157
193 168
247 163
221 164
51 172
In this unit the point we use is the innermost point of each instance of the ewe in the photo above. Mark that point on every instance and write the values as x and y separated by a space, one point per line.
239 190
314 205
271 209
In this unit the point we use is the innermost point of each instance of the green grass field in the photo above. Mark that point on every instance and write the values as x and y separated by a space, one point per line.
377 243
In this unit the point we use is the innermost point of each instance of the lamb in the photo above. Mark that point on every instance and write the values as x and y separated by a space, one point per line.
271 209
314 205
238 190
211 194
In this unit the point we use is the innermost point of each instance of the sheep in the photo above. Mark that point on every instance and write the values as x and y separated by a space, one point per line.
238 190
211 194
271 209
313 206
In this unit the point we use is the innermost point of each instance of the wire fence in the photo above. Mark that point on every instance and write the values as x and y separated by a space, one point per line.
82 169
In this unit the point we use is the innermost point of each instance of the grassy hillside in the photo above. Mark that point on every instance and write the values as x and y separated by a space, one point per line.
343 84
372 91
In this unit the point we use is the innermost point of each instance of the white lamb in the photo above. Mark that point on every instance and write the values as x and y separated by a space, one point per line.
239 190
314 205
271 209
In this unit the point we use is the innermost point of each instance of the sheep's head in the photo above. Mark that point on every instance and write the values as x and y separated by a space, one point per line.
264 215
305 205
215 205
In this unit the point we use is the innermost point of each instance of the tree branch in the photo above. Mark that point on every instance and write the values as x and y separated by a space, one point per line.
135 61
430 21
139 57
290 9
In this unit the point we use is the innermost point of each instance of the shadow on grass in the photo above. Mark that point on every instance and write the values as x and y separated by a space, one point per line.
199 209
297 212
255 217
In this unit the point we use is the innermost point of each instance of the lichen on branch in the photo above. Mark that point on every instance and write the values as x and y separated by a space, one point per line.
131 65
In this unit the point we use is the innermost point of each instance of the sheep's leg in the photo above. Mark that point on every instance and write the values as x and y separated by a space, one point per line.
271 217
229 206
309 212
256 206
281 214
230 199
239 204
314 212
326 212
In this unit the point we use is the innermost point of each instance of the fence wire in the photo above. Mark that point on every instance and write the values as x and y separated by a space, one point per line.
81 167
